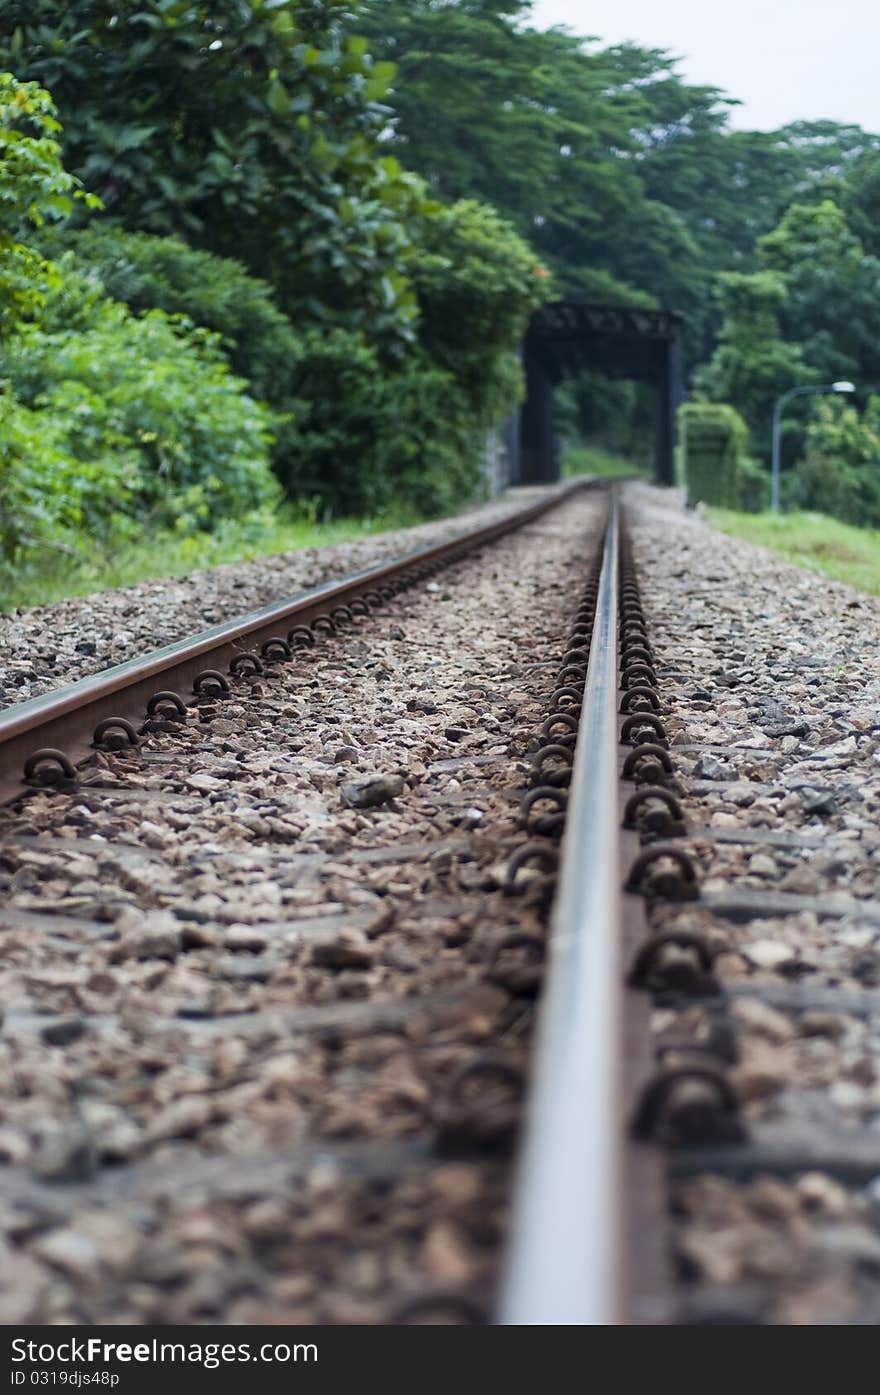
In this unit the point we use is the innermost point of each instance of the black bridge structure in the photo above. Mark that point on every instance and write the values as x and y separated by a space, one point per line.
565 338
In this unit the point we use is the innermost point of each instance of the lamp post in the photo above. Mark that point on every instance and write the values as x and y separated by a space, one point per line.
777 429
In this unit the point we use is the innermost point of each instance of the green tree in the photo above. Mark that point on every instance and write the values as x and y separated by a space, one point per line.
840 472
104 417
530 121
164 273
752 364
34 186
832 308
252 128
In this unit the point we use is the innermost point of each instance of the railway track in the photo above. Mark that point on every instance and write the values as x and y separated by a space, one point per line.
267 990
703 1122
274 953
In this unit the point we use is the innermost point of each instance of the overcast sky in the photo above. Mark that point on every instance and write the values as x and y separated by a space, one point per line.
786 60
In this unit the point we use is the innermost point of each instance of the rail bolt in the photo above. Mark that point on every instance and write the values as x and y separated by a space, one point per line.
49 767
641 722
689 1105
678 961
245 664
517 963
114 733
667 821
649 878
648 764
275 649
211 685
642 694
167 705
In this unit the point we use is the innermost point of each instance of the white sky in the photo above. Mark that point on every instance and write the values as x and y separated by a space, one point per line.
786 60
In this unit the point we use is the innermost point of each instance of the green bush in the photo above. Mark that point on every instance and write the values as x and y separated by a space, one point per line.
477 283
355 430
255 130
124 355
713 440
148 400
840 474
47 494
753 485
164 273
106 417
365 435
34 186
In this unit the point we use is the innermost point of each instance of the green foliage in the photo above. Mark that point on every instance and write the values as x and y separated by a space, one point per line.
45 492
593 460
164 273
859 196
752 364
41 577
105 417
246 152
33 183
388 340
713 442
34 186
532 122
832 307
810 315
477 283
344 410
840 473
250 128
130 418
364 436
365 432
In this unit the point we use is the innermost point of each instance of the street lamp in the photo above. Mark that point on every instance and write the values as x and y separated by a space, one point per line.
777 429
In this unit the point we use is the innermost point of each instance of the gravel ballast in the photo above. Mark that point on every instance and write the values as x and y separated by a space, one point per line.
263 1051
45 647
770 682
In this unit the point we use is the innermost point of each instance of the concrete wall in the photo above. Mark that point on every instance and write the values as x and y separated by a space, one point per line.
496 465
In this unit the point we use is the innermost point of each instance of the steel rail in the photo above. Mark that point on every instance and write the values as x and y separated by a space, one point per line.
565 1262
67 718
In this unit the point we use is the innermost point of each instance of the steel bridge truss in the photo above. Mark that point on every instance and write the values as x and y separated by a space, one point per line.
618 341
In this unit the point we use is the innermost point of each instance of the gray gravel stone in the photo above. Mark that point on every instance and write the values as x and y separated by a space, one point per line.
369 794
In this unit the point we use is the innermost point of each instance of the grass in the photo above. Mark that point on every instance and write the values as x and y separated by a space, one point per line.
48 576
45 576
592 460
811 540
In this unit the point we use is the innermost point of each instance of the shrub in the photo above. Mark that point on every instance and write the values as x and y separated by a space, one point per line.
156 394
34 186
407 353
47 494
840 474
713 439
356 428
477 283
364 435
256 130
164 273
104 416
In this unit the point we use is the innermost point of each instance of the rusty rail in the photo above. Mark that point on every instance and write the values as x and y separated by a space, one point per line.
588 1236
42 740
564 1264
